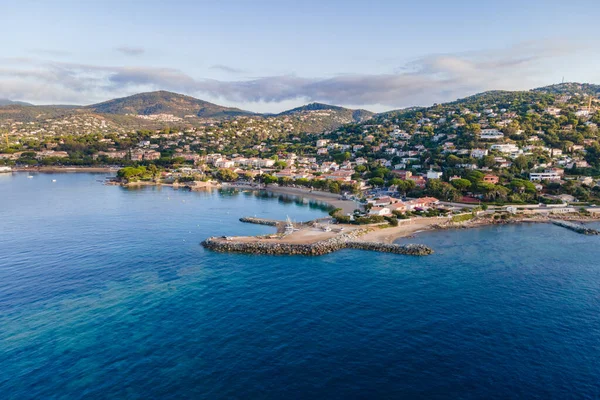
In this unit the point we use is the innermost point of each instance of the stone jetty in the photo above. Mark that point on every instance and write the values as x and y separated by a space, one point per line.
260 221
576 227
344 241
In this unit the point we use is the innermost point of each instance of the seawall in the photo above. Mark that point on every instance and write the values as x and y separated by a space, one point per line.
260 221
576 227
345 241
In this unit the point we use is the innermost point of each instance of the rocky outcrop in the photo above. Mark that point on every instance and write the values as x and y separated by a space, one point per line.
345 241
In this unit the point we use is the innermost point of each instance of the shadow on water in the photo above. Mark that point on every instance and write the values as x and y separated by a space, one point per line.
284 199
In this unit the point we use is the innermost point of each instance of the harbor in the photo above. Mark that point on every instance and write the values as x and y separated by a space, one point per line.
311 238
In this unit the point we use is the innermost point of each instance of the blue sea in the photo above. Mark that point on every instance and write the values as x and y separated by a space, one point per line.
105 293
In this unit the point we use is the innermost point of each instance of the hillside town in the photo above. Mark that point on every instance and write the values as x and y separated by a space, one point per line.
532 147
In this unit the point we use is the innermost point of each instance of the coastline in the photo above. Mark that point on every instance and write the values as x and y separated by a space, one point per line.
390 235
54 169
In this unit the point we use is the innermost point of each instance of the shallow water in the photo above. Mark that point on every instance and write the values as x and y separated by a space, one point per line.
106 293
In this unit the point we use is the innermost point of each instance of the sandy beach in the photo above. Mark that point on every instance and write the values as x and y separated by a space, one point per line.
405 228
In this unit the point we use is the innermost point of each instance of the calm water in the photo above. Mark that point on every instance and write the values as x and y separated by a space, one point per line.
106 293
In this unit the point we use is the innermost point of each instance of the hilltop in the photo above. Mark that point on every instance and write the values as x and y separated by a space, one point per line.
358 115
163 102
7 102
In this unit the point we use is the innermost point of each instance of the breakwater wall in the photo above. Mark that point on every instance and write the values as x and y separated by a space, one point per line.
260 221
576 227
345 241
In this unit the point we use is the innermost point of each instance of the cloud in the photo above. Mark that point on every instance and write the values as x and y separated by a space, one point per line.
428 79
131 50
225 68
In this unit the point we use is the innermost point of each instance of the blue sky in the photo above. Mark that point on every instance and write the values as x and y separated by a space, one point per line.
273 55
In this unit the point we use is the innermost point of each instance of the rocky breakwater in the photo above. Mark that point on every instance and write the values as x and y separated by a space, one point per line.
260 221
344 241
576 227
408 249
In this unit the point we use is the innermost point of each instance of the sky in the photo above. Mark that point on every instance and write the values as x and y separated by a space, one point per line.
268 56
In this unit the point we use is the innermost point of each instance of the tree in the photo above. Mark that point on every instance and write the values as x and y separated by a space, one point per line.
461 184
522 186
268 179
376 181
405 186
521 163
360 169
442 190
226 175
488 161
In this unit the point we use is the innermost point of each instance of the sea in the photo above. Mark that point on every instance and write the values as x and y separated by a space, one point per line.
106 293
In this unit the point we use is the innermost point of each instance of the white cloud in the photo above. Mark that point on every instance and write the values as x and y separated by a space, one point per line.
429 79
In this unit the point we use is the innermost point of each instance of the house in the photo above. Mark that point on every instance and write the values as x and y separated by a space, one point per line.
418 180
491 134
399 206
384 201
508 148
545 176
51 153
489 178
421 203
345 176
224 163
380 211
479 153
402 174
553 111
434 174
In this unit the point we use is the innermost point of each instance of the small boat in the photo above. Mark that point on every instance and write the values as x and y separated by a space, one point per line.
30 176
289 226
53 180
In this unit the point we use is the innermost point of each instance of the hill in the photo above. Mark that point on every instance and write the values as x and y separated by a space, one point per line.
7 102
163 102
357 115
571 88
319 117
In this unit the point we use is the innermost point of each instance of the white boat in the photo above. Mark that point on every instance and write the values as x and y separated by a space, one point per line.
30 176
53 180
289 226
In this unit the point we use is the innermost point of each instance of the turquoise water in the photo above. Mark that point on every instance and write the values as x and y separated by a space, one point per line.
106 293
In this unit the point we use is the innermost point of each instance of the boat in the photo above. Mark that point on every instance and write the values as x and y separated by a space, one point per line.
30 176
53 180
289 226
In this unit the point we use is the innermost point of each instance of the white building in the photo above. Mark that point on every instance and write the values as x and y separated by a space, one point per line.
479 153
544 176
491 134
434 174
507 148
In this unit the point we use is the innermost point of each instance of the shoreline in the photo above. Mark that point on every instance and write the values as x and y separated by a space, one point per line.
390 235
51 169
